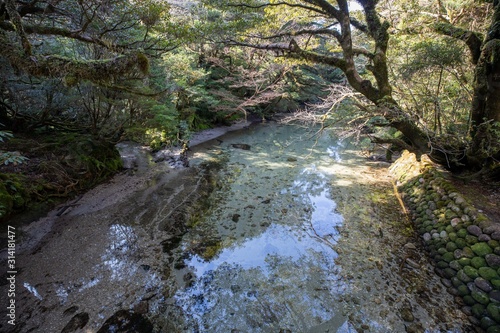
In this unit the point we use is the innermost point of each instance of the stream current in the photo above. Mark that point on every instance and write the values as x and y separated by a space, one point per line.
301 234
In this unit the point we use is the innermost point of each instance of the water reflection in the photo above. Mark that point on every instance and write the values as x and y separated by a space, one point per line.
282 278
334 151
32 290
122 247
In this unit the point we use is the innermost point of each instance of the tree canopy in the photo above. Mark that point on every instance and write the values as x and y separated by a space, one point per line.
422 75
365 41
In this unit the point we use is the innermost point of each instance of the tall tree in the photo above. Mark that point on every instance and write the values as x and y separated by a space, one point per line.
357 42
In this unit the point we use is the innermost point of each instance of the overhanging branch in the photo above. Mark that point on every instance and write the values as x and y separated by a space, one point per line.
473 40
57 66
282 3
293 50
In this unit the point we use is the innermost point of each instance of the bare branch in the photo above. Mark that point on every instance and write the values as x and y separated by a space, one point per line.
15 18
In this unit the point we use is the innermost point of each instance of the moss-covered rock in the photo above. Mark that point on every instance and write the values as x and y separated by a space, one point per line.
464 262
478 262
487 322
494 311
478 310
488 273
493 329
471 272
481 249
448 257
462 233
480 296
464 245
463 290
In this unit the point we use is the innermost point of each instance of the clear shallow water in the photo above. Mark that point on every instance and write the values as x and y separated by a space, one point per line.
282 258
277 225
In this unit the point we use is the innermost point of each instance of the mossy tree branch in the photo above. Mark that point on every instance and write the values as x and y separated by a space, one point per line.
472 39
15 18
97 71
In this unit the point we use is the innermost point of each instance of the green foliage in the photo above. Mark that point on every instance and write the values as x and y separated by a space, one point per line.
5 135
434 83
427 55
10 157
13 193
14 158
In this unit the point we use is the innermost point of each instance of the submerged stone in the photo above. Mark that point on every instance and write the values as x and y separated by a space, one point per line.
243 146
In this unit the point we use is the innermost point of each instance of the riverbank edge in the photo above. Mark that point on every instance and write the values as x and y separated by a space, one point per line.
463 243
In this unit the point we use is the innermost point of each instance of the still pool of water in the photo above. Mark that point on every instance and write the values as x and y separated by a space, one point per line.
274 229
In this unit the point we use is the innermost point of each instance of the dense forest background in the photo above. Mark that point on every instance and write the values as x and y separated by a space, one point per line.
80 76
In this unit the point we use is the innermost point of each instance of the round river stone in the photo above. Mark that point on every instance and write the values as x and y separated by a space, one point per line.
493 260
474 230
481 249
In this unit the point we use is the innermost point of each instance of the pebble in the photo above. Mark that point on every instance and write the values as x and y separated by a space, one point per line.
483 284
495 296
455 221
493 260
474 230
491 229
483 238
410 246
407 314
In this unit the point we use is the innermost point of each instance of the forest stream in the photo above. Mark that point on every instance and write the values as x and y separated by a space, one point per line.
272 228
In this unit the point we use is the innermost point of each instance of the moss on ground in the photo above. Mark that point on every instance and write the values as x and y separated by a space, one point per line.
60 165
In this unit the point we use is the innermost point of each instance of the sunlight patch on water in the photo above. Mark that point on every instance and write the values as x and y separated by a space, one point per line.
122 243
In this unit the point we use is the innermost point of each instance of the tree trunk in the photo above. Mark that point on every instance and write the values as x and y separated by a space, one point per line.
485 113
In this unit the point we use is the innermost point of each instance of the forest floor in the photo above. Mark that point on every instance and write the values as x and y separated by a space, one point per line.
485 197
